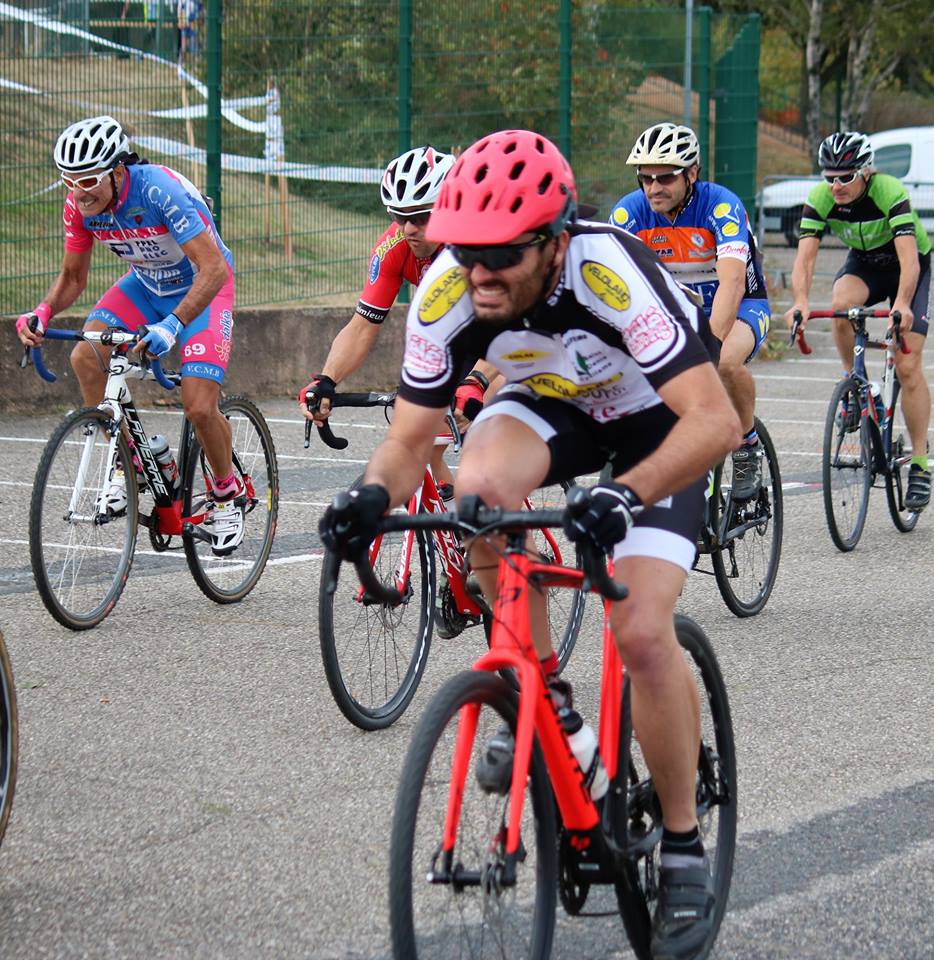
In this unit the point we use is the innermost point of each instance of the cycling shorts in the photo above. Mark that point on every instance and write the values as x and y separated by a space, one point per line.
757 315
204 342
580 445
883 285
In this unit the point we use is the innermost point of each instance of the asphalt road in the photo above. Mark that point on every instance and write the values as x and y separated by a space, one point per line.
187 787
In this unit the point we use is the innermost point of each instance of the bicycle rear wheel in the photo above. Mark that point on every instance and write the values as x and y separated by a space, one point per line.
471 913
81 554
847 466
230 578
716 799
896 482
565 607
9 738
746 564
375 654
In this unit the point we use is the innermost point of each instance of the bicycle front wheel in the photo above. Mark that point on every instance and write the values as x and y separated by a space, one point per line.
896 481
716 798
456 903
846 469
746 563
81 549
9 738
230 578
375 654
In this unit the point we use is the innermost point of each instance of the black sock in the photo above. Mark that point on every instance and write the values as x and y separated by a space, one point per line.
681 849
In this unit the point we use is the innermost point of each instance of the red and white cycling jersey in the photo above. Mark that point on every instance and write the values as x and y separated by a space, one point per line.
391 262
616 329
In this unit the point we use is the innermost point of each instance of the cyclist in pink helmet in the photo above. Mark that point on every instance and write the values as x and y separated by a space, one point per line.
605 360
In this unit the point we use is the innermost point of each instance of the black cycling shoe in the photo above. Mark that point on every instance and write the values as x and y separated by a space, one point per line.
684 916
919 489
494 769
746 477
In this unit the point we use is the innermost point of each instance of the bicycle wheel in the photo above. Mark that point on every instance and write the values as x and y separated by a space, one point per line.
473 914
375 654
746 564
230 578
81 553
846 468
565 607
716 799
896 482
9 738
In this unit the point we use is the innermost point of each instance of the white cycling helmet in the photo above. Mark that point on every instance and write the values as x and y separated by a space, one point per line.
665 144
846 150
97 143
413 180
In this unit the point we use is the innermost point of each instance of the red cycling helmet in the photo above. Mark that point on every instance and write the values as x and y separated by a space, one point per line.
502 186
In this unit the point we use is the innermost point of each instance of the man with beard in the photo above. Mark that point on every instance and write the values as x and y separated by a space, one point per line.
604 359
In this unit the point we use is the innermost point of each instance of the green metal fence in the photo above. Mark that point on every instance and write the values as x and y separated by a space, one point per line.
286 112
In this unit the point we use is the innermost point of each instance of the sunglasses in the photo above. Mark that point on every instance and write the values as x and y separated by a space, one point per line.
498 257
843 180
87 183
416 219
665 179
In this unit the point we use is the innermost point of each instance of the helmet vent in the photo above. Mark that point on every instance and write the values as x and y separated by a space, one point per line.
481 173
517 169
545 184
486 201
514 207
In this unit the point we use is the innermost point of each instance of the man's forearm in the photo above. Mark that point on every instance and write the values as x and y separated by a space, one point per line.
724 308
350 348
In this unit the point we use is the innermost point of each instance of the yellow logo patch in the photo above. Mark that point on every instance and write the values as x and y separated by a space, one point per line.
730 229
620 215
607 285
524 356
442 296
721 209
551 385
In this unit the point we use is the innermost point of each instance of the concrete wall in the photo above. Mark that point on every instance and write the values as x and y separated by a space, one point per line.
274 352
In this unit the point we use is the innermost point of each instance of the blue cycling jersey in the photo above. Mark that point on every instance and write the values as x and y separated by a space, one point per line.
713 225
156 212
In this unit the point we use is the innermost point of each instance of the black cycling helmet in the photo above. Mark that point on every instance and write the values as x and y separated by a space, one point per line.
846 150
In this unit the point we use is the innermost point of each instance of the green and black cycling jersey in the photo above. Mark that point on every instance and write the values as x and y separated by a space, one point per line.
870 224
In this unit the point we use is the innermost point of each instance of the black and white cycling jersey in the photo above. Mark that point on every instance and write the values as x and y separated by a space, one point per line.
616 328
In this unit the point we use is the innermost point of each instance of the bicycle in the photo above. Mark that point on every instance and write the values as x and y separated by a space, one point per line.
82 551
375 653
859 434
485 868
9 738
744 537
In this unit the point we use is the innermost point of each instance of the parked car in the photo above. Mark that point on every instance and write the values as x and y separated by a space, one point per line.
906 153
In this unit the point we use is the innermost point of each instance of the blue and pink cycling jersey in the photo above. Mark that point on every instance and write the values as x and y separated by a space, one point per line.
158 210
713 225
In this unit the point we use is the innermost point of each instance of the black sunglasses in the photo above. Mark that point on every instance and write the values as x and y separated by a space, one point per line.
665 179
416 219
496 257
843 179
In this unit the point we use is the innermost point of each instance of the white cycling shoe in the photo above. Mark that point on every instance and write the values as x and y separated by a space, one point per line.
226 526
115 496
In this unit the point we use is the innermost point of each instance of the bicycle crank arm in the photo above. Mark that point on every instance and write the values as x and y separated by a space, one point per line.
197 531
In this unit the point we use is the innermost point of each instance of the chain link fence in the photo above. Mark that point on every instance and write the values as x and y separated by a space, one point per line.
314 99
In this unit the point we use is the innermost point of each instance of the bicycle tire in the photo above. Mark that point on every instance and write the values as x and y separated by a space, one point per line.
716 776
424 917
746 566
846 455
358 663
81 564
896 480
230 578
9 738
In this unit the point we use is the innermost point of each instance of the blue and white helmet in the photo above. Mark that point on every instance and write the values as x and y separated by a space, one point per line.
97 143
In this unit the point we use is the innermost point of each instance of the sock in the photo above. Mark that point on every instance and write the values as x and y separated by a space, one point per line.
751 438
681 849
920 461
227 487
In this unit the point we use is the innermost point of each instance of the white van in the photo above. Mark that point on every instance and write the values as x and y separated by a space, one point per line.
907 153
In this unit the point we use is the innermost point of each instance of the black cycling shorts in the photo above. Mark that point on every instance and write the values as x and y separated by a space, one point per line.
883 285
580 445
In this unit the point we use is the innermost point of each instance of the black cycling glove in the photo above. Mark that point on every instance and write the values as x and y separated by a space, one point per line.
610 513
350 524
320 388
